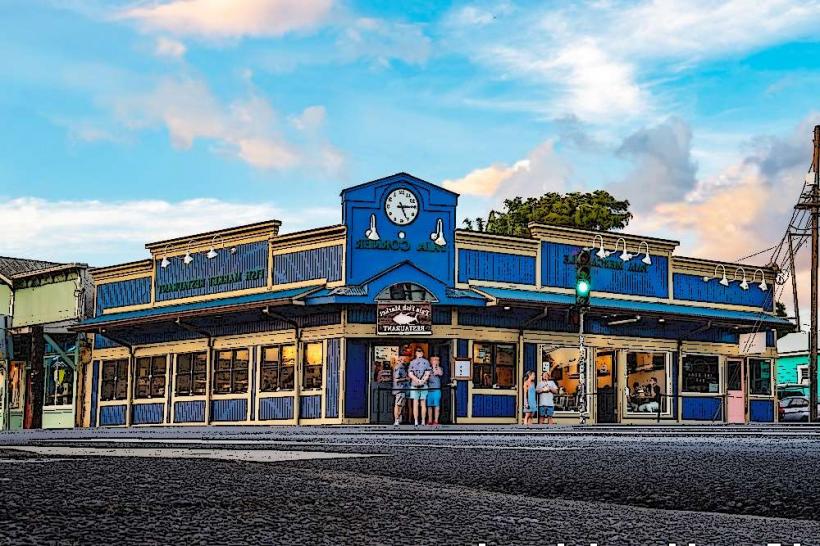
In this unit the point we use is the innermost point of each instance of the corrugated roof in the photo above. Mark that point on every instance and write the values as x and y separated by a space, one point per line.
9 267
636 306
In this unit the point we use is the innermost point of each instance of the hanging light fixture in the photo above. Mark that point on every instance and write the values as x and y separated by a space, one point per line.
213 253
646 259
165 261
602 252
723 280
187 259
763 285
744 284
625 256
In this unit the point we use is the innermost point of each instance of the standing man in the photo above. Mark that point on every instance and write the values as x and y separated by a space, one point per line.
546 390
399 385
419 373
434 392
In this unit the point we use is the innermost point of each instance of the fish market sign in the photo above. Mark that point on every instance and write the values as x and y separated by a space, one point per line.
404 318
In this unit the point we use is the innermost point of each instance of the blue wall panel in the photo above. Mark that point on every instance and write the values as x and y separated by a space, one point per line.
95 379
485 405
442 315
145 414
192 411
229 410
356 378
112 415
361 315
608 275
693 288
102 342
305 265
247 268
310 407
271 409
531 358
761 411
481 265
123 293
333 372
702 409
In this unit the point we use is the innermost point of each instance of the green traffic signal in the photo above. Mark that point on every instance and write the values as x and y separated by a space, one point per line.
582 287
583 277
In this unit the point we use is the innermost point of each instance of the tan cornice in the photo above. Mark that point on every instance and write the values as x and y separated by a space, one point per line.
575 236
703 267
112 272
329 234
199 241
495 243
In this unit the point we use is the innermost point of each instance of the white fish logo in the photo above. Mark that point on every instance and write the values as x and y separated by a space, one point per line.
404 318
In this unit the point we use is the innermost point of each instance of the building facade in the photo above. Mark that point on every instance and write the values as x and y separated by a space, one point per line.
245 325
39 357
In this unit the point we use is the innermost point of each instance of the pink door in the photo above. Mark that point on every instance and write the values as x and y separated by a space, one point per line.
735 398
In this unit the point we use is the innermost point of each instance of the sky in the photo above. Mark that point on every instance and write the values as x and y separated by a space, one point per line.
126 122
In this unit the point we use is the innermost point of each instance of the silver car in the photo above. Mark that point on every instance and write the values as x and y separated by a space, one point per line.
794 408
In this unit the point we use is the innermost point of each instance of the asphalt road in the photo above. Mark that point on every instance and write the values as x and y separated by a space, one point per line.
492 486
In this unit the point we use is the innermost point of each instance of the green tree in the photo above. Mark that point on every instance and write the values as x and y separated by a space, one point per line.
597 210
780 309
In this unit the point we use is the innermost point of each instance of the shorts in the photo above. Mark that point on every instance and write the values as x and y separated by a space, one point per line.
546 411
418 393
433 399
400 398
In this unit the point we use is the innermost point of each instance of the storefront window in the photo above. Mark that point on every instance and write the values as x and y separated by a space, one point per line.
231 372
701 374
277 367
114 380
493 365
16 370
405 291
149 378
760 377
313 362
192 374
59 384
562 362
647 379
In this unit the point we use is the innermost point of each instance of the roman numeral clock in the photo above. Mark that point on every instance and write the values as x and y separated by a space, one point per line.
401 206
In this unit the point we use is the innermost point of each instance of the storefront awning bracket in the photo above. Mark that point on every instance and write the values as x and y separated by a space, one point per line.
277 316
195 330
700 329
117 340
59 350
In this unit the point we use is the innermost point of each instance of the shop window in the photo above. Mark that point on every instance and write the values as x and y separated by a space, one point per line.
313 360
562 362
493 365
114 380
405 291
149 377
231 372
277 368
760 377
701 374
647 378
59 384
192 374
16 372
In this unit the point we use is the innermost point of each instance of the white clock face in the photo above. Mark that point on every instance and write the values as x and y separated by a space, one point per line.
401 206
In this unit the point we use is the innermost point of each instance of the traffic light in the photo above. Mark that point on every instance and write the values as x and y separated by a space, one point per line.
583 278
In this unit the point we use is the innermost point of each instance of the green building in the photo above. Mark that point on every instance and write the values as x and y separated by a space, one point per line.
39 357
793 364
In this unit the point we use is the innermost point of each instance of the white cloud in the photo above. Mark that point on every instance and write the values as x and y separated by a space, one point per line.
106 232
381 41
225 19
167 47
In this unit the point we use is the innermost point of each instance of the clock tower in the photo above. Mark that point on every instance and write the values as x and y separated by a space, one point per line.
398 219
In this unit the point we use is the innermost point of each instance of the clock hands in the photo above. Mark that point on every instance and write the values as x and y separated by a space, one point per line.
402 206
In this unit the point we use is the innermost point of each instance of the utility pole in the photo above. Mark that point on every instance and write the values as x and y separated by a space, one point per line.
799 324
815 216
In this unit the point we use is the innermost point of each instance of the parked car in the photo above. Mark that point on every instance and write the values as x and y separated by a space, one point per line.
787 390
794 408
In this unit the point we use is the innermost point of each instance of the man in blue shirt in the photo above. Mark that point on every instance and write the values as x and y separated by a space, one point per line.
419 374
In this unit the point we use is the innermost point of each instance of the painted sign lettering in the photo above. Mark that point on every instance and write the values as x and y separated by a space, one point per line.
404 318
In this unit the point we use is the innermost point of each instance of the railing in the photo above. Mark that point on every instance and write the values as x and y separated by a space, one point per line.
383 401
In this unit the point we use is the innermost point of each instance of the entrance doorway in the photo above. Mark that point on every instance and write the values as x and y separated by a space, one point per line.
606 387
735 399
383 356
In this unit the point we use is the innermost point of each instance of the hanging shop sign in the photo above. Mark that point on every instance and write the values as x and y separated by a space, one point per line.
752 343
404 318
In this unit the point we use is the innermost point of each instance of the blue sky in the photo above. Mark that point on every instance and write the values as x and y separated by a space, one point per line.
131 121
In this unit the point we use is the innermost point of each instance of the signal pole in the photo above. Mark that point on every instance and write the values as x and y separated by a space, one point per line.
815 216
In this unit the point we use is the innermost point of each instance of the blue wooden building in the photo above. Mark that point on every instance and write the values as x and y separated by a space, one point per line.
245 325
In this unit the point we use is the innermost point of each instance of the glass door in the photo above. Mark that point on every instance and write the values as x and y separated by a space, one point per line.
606 388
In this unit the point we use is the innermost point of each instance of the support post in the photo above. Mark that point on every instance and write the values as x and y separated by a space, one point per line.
815 216
794 285
582 368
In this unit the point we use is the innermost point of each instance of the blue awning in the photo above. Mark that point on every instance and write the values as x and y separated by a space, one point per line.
172 311
547 298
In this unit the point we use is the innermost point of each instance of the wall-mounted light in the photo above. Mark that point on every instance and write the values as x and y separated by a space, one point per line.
744 284
506 307
165 261
213 253
438 235
187 259
763 285
723 280
625 256
602 252
371 232
646 259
